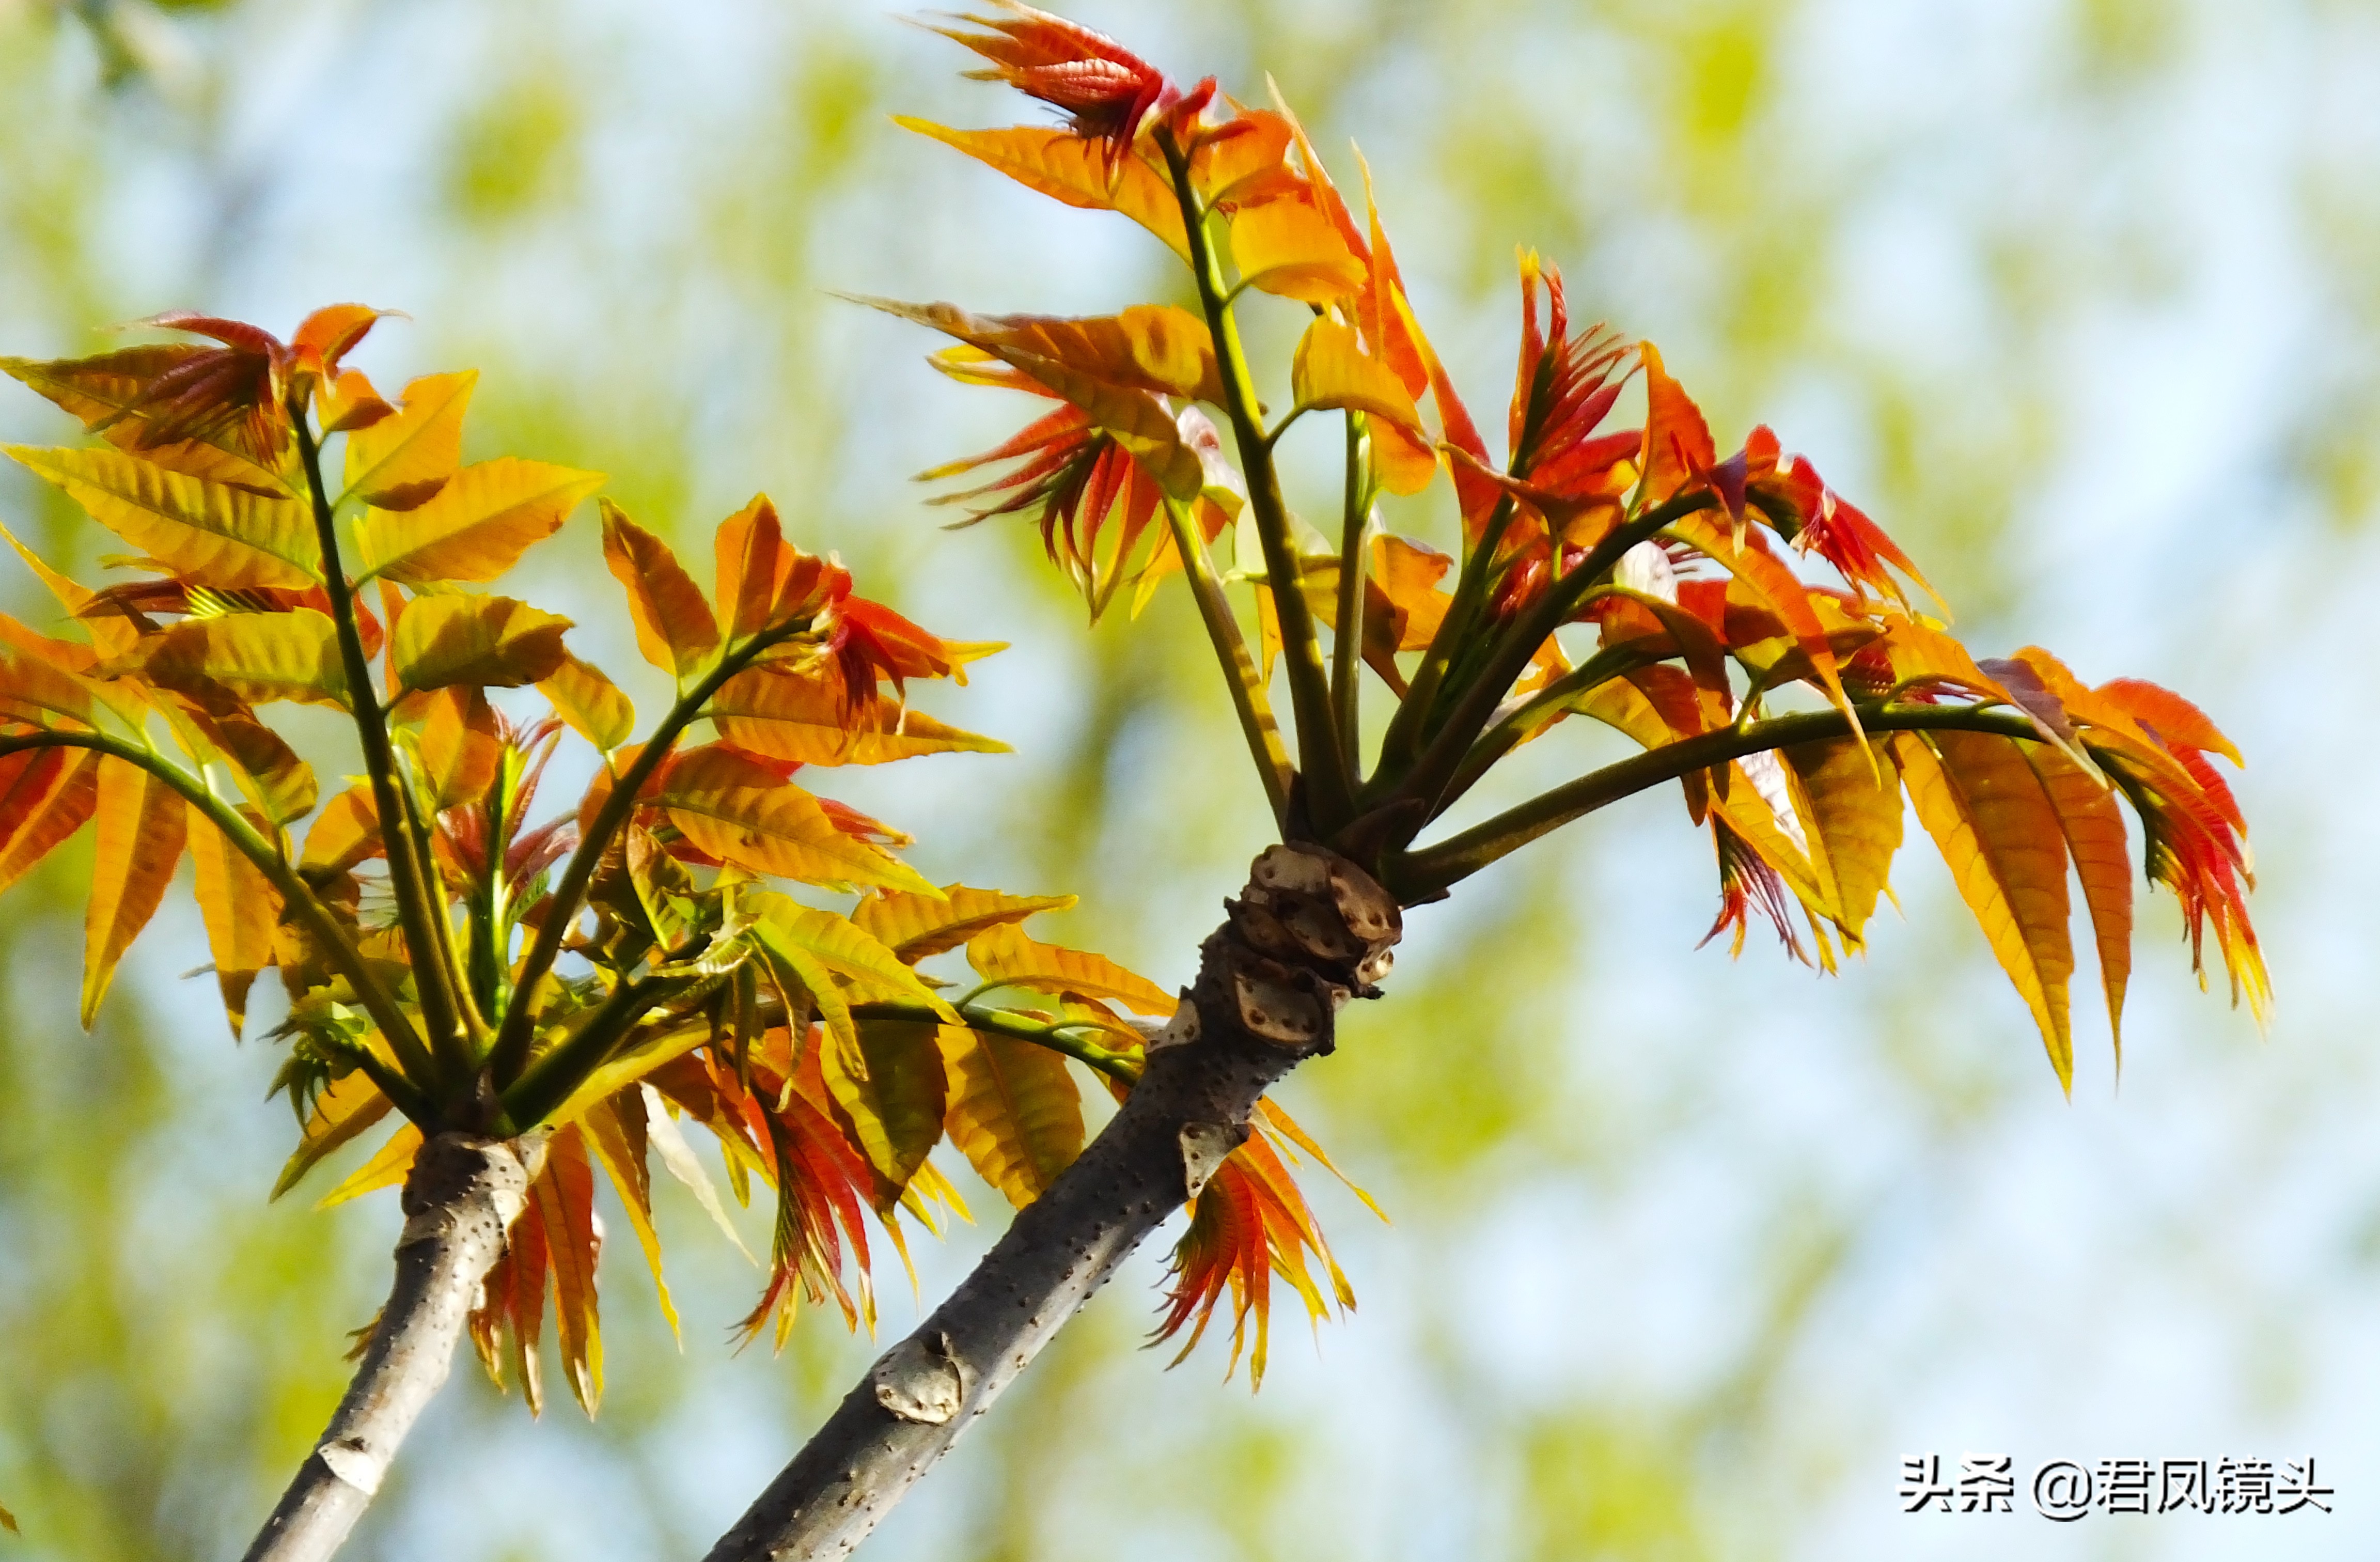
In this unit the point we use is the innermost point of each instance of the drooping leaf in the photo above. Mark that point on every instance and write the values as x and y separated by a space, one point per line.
241 910
1015 1112
142 823
592 704
351 1105
388 1167
896 1108
402 461
616 1131
43 808
277 784
346 832
917 926
209 534
260 657
1777 587
1857 820
809 720
563 1197
2093 827
2001 838
490 642
1066 167
1005 953
739 811
478 525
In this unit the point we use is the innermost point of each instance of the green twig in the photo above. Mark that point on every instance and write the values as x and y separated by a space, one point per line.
1240 675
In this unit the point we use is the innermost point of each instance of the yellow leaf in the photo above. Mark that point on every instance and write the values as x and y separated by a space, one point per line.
1005 954
401 462
345 833
1015 1112
1066 167
564 1198
739 811
916 926
477 526
390 1165
1856 823
615 1132
143 823
491 642
2093 827
451 735
347 1108
208 534
1998 832
260 657
676 629
897 1106
107 393
241 910
790 716
592 704
1288 248
1332 370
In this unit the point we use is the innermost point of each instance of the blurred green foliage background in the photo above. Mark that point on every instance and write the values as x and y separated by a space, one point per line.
2079 298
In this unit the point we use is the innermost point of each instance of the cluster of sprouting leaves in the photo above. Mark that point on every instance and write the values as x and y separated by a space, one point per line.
579 981
1626 572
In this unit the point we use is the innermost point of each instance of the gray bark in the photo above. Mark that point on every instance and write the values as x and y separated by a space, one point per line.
462 1196
1310 930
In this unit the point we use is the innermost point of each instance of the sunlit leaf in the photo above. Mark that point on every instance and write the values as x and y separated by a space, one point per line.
258 656
615 1132
592 704
917 926
2001 838
809 720
1005 953
1331 368
43 806
2094 828
739 811
402 461
1855 818
1290 248
106 391
387 1168
348 1107
478 525
896 1108
208 534
1014 1112
142 823
1066 167
490 642
676 629
241 910
346 832
563 1199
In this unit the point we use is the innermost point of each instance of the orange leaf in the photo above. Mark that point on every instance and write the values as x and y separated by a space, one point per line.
107 392
563 1199
350 1104
2094 828
260 657
491 642
241 910
807 720
1014 1111
617 1133
1856 824
388 1167
1004 953
915 926
1066 167
675 627
142 823
2002 840
400 463
478 525
1678 449
1291 248
592 704
739 811
1331 369
346 832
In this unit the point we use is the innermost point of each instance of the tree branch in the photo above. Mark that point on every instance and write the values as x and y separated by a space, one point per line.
1261 1005
1420 874
461 1197
1239 669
